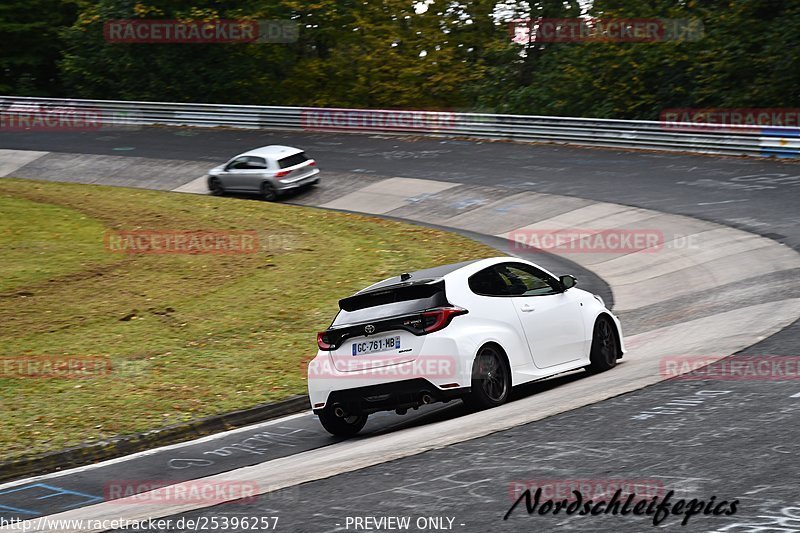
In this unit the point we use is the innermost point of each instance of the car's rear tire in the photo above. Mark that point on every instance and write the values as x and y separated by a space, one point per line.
338 426
215 186
269 192
605 351
491 379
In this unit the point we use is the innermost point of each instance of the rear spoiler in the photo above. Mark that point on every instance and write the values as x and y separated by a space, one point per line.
397 292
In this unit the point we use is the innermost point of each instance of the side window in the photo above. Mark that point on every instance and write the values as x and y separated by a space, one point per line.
256 162
525 280
488 282
238 164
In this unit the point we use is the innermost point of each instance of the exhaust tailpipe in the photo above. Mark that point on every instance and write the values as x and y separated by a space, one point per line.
338 411
426 399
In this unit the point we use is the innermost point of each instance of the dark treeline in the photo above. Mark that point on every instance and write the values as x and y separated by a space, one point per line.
456 55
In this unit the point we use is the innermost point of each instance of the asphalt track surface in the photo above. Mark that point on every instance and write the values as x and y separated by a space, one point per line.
757 195
732 440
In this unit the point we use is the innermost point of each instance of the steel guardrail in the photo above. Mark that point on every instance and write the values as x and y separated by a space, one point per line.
32 114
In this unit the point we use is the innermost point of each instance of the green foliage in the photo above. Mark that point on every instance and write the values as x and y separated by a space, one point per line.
378 54
390 54
362 54
29 45
225 73
751 56
747 56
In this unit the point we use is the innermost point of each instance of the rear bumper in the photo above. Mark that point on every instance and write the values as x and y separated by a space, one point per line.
438 375
298 182
407 394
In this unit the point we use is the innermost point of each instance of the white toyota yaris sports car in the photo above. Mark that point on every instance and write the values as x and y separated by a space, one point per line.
470 330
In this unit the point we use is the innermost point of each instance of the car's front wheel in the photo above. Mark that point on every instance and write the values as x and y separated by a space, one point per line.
341 426
215 186
604 351
491 379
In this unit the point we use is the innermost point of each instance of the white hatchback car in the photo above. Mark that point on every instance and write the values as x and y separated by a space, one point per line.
268 171
469 330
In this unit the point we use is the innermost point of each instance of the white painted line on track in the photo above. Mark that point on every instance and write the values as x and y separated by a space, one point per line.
795 395
145 453
724 202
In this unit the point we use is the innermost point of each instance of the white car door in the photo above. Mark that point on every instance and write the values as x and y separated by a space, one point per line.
234 178
551 318
253 176
493 305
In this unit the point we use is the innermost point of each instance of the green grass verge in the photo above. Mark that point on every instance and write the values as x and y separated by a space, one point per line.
187 335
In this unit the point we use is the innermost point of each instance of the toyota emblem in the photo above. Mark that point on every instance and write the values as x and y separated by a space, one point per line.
369 330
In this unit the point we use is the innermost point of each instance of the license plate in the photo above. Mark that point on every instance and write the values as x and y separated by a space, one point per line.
376 345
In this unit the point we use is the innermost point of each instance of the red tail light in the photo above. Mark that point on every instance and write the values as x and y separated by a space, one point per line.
437 319
322 341
312 163
282 173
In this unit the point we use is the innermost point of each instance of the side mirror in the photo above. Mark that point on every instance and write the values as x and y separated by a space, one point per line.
568 281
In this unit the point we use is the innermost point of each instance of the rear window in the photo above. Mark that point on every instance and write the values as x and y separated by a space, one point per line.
292 160
389 303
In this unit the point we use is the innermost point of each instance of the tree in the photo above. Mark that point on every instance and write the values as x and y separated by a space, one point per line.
30 47
379 54
747 56
223 73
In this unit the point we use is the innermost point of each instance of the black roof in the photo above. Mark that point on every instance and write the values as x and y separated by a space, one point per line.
421 276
